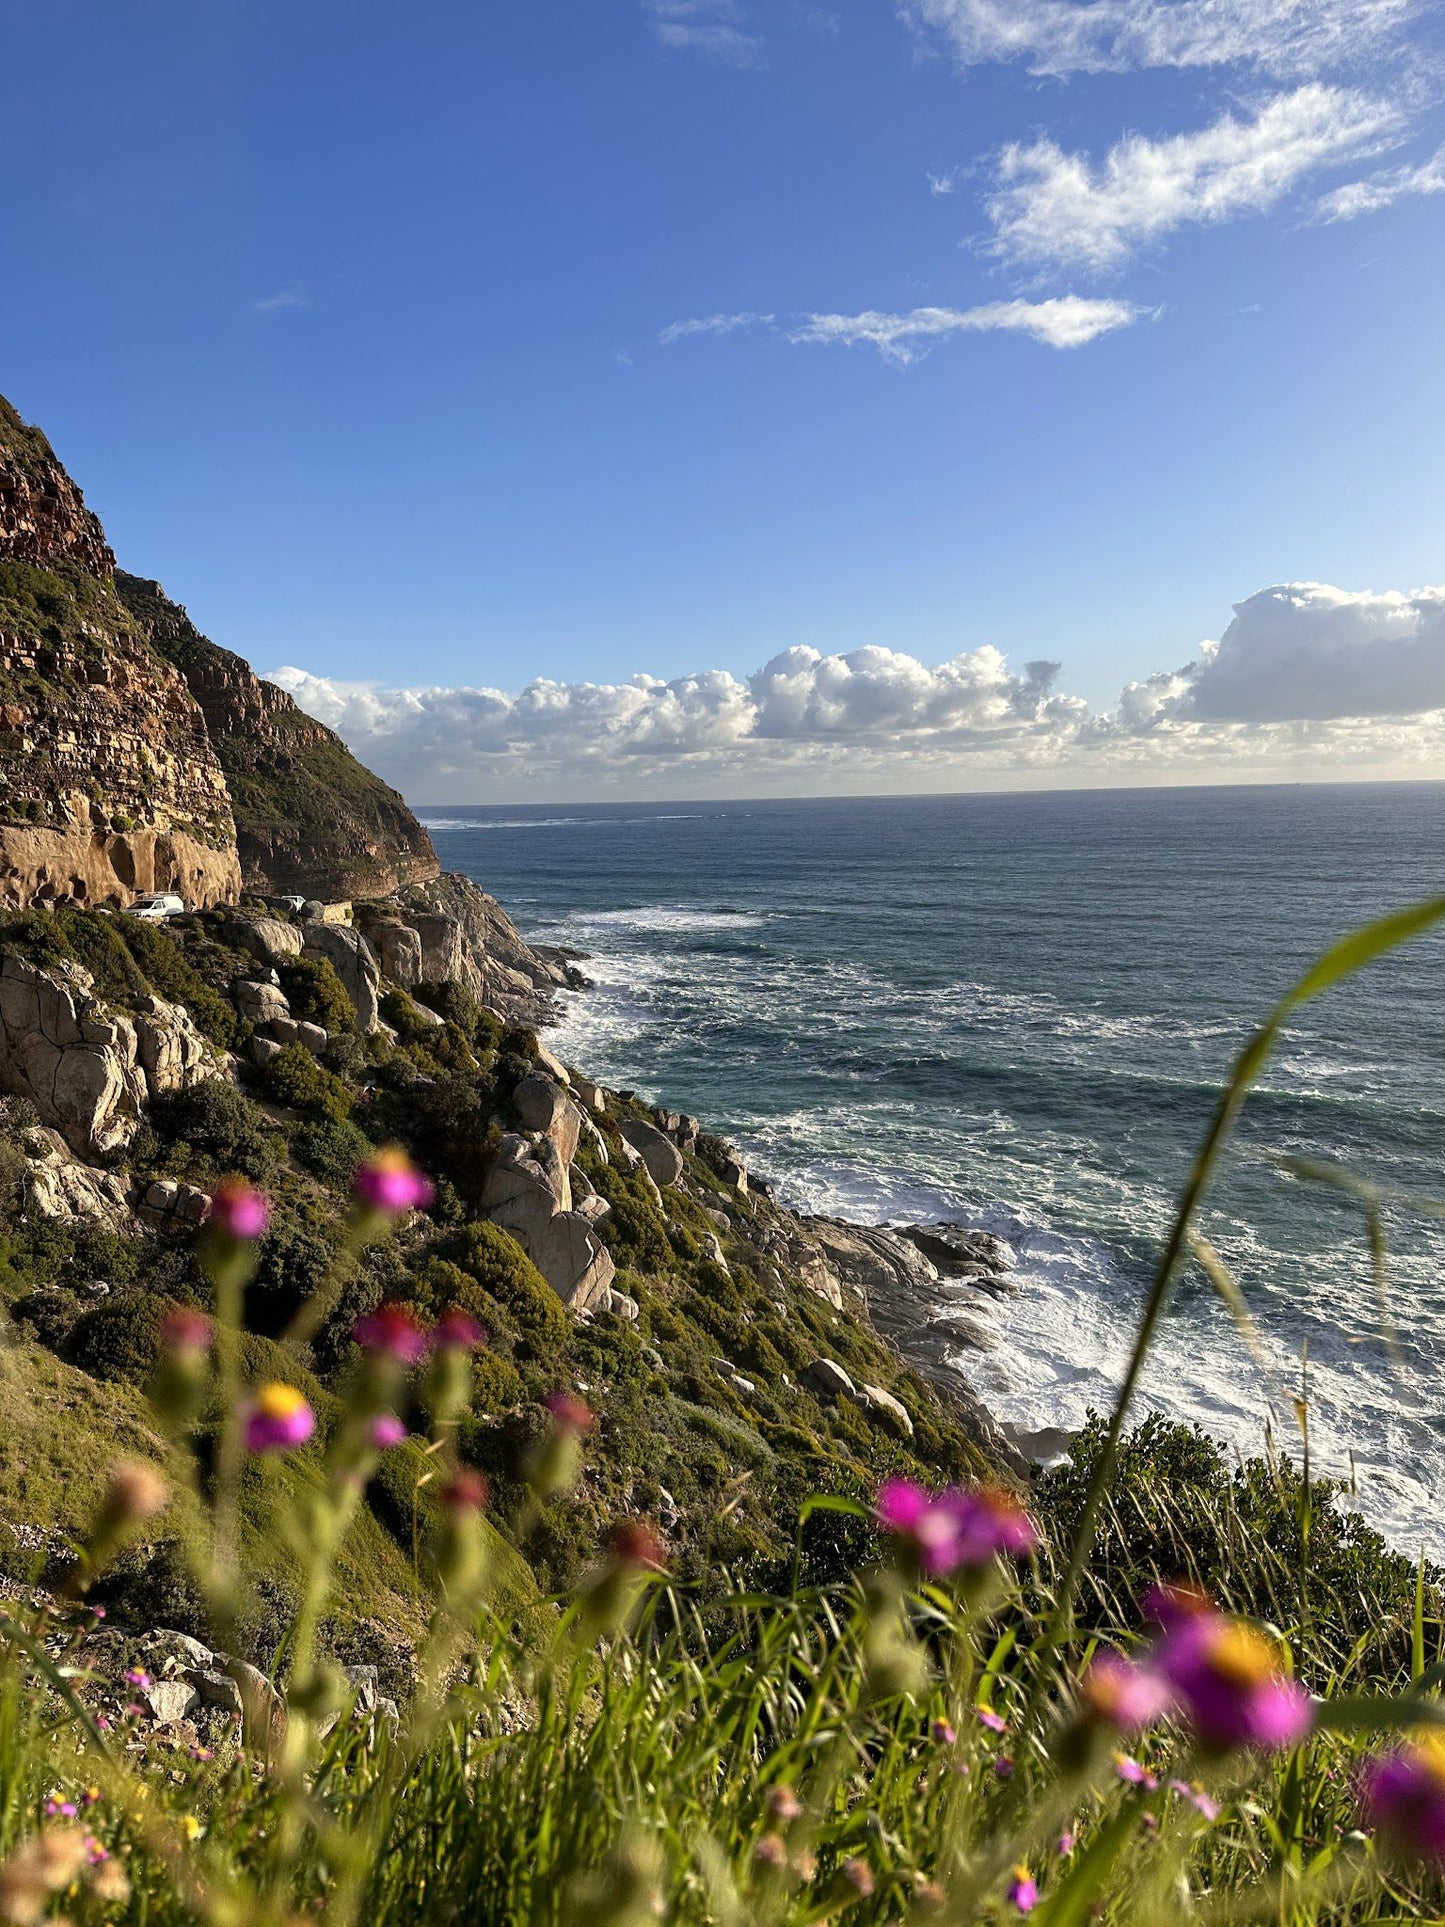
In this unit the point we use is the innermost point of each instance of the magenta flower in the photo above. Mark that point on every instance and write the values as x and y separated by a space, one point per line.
1403 1796
390 1183
954 1530
279 1418
391 1332
943 1733
1228 1677
1023 1892
986 1716
237 1210
1194 1793
387 1431
136 1676
569 1413
1121 1694
465 1491
456 1331
185 1331
1130 1771
1066 1844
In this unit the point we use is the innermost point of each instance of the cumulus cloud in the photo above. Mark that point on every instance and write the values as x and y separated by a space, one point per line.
712 28
712 324
1058 37
1066 321
1306 680
1383 190
1051 208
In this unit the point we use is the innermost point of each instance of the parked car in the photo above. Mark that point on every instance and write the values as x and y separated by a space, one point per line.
158 907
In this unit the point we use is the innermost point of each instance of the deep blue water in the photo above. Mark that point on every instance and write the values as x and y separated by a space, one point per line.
1015 1010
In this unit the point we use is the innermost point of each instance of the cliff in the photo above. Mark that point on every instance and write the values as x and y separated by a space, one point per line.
137 755
309 816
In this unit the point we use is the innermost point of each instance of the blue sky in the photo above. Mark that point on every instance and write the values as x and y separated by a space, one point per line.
353 321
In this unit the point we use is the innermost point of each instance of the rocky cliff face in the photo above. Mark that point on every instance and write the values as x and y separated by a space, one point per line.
136 755
309 817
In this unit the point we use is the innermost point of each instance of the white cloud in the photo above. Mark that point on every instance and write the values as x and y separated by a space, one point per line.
1059 37
1307 680
712 324
1066 321
1051 208
712 28
941 184
1383 190
274 303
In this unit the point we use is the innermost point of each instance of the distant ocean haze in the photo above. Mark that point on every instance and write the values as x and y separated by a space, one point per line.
1015 1011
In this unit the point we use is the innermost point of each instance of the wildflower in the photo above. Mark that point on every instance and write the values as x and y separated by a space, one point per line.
783 1804
928 1895
1023 1891
55 1806
391 1332
1003 1767
944 1734
1194 1793
859 1876
569 1413
1066 1844
1121 1694
986 1716
1130 1771
191 1827
238 1210
137 1492
110 1884
631 1543
456 1331
770 1850
137 1677
1228 1676
390 1184
387 1431
954 1530
44 1864
1403 1796
465 1491
186 1330
556 1459
278 1419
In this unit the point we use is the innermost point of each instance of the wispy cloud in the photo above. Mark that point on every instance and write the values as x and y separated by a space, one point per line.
712 324
1057 37
713 28
1066 321
275 303
945 183
1050 208
1383 190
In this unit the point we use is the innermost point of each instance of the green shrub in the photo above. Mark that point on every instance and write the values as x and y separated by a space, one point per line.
500 1266
316 994
294 1080
330 1149
496 1383
219 1123
119 1339
293 1261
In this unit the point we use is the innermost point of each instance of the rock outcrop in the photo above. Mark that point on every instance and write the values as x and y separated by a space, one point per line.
466 937
88 1070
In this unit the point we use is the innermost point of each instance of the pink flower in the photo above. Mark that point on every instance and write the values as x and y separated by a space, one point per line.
136 1676
1403 1796
569 1413
455 1331
783 1803
387 1431
986 1716
1130 1770
943 1733
1003 1767
632 1543
278 1419
1023 1890
1121 1694
1228 1677
186 1331
859 1876
954 1530
391 1332
390 1183
238 1210
1196 1796
1065 1845
465 1491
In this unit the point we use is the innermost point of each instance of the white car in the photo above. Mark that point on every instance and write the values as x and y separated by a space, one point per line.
157 908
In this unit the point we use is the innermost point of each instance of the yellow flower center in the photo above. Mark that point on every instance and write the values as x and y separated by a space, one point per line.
1243 1655
279 1401
1429 1750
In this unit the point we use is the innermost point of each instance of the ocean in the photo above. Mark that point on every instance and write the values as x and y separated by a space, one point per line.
1015 1011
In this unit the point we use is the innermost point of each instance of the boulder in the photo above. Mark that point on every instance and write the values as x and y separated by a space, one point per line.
58 1186
262 1050
877 1400
354 961
262 1708
543 1105
619 1305
75 1062
172 1052
313 1037
397 947
871 1259
959 1252
658 1152
267 939
166 1652
594 1209
169 1700
520 1185
573 1260
260 1003
553 1066
827 1376
217 1689
285 1030
590 1096
733 1171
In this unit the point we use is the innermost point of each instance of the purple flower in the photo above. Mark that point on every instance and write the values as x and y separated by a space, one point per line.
1228 1677
569 1413
1066 1844
1129 1770
1403 1796
455 1331
237 1210
1123 1695
943 1733
1023 1890
1194 1793
278 1419
390 1183
136 1676
391 1332
387 1431
986 1716
954 1530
